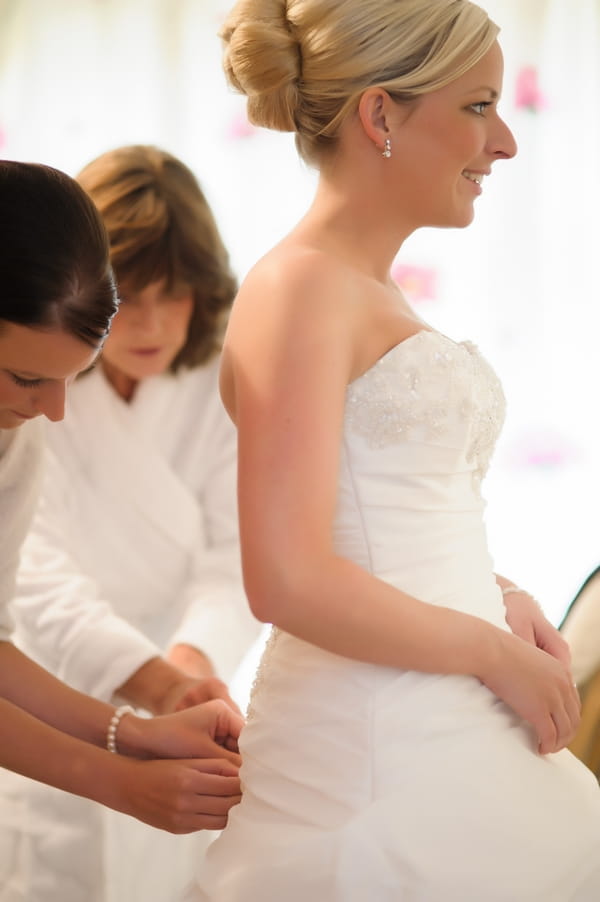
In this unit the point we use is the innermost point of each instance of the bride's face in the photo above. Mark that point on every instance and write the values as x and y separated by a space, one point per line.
446 145
36 365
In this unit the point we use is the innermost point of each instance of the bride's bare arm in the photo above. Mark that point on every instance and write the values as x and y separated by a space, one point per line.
290 354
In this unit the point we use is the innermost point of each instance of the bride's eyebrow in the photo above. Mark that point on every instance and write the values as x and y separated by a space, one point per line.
491 91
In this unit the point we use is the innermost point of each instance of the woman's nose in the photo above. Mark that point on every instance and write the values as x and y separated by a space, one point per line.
505 146
50 400
147 318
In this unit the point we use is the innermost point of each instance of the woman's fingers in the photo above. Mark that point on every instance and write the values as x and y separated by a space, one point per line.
215 749
213 776
559 729
538 687
210 794
547 733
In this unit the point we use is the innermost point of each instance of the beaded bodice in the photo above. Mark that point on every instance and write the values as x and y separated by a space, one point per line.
429 388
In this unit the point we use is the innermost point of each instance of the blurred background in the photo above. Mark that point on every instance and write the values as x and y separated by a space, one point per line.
78 77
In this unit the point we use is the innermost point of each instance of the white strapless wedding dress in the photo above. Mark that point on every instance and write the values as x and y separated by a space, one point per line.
371 784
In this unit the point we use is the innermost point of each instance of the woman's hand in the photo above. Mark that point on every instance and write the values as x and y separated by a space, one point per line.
538 687
202 685
160 687
210 730
526 619
177 796
187 692
190 660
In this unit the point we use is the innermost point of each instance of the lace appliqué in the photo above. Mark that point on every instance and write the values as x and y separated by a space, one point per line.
422 389
261 671
488 410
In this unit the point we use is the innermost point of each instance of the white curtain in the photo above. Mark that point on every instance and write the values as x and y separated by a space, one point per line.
78 77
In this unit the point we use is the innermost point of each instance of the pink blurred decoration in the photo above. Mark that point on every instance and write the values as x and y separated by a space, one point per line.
543 449
240 128
419 282
528 94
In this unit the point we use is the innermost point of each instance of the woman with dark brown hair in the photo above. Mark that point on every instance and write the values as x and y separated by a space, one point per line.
129 587
57 300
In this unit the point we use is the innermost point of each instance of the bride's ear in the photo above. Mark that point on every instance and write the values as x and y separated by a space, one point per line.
373 112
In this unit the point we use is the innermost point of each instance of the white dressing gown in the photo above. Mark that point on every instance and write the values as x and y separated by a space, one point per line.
20 470
134 548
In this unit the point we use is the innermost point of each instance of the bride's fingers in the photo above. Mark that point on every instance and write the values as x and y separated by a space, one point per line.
547 734
565 717
564 729
558 726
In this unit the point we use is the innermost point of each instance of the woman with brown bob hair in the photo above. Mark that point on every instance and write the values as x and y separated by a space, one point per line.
129 587
161 227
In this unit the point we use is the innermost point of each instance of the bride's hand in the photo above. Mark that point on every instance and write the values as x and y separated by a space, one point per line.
526 619
538 687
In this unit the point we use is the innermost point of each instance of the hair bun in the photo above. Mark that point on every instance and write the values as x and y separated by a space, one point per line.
262 60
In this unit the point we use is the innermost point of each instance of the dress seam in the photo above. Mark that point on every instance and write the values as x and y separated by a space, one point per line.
345 462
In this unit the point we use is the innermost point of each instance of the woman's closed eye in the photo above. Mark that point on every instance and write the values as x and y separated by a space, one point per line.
25 383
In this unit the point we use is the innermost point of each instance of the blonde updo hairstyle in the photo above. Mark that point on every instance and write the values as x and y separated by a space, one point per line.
303 64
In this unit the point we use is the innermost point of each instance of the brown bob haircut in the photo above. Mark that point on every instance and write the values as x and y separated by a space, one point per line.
160 226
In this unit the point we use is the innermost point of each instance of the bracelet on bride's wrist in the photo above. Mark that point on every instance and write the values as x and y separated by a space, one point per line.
111 733
513 590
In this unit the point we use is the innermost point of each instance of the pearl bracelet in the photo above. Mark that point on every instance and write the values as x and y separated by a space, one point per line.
111 733
514 590
507 590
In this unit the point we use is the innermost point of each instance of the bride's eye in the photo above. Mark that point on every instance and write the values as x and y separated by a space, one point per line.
480 107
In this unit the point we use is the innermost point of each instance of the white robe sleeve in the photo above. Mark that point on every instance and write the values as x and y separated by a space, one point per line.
62 620
217 617
20 467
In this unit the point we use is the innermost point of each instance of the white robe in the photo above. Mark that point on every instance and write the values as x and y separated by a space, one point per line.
134 548
20 469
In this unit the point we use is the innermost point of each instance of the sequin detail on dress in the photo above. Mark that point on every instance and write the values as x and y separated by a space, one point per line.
261 671
422 390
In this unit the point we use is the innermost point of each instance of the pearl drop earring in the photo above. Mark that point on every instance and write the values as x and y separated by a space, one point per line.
387 149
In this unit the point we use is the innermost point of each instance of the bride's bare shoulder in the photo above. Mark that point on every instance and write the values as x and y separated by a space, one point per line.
293 267
292 310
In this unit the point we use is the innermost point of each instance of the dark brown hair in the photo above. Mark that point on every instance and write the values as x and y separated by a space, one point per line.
54 258
160 226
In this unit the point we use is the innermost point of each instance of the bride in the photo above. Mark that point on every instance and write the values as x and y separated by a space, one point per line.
402 742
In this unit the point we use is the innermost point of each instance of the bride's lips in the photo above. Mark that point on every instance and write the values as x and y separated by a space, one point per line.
476 177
